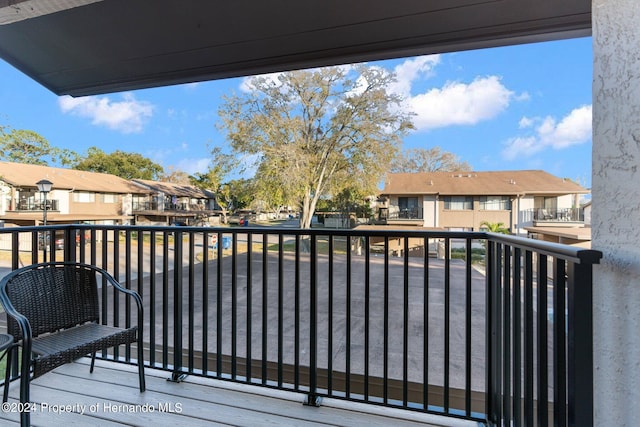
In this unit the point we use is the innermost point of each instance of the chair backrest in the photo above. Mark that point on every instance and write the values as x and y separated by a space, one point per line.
52 296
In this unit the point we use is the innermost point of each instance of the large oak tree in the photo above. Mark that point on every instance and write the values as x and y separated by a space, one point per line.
120 163
316 132
428 160
27 146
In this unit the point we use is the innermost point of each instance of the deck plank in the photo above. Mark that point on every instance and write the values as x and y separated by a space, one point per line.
110 396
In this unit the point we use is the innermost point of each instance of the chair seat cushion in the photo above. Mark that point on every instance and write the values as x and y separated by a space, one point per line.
65 346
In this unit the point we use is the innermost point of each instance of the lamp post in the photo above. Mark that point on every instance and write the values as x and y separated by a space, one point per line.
44 186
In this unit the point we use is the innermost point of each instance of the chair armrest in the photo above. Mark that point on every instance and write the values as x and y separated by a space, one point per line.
116 285
21 320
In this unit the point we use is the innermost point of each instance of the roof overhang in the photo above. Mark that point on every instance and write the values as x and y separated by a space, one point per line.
83 47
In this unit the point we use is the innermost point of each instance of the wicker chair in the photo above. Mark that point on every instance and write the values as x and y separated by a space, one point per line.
53 314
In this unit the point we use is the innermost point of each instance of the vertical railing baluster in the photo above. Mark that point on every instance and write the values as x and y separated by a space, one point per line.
405 325
296 351
312 397
280 308
468 329
447 325
249 308
265 304
385 350
330 319
177 374
529 351
205 303
425 327
127 284
105 295
347 353
492 356
165 300
114 293
559 344
542 346
140 266
234 306
219 304
191 303
367 296
517 337
506 334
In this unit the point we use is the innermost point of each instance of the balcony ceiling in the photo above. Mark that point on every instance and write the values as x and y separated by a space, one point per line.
83 47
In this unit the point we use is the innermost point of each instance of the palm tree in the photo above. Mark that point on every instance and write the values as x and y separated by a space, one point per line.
495 227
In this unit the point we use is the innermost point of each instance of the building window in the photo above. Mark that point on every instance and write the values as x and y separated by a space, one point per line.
110 198
84 197
495 203
458 203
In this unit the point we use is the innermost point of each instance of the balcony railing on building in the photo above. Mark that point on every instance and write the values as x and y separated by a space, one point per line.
500 334
37 205
561 215
395 213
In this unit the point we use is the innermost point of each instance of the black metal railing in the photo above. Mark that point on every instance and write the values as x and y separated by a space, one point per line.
360 315
555 215
412 213
37 205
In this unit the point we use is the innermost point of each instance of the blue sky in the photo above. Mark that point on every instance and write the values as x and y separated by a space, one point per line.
509 108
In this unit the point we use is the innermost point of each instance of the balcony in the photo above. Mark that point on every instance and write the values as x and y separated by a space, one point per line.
37 205
396 216
316 314
560 216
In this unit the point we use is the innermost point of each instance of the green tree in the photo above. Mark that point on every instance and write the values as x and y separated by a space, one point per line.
220 166
318 131
27 146
428 160
120 163
495 227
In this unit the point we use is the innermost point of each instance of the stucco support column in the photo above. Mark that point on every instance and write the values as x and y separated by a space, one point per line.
616 211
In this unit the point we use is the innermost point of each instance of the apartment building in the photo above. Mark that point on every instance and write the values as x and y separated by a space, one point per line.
462 201
75 196
97 198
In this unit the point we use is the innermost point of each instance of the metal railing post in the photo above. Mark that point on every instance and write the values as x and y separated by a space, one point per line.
580 344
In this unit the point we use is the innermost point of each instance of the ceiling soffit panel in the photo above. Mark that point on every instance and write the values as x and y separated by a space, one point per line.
114 45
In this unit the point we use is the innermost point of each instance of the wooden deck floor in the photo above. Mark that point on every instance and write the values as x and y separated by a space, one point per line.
71 396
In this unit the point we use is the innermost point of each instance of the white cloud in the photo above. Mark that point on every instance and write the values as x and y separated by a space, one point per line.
460 104
127 116
525 122
573 129
410 70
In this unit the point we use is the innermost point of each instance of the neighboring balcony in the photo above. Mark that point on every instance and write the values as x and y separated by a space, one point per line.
37 205
318 314
560 216
395 215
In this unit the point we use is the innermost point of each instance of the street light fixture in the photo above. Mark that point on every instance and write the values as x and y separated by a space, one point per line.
44 186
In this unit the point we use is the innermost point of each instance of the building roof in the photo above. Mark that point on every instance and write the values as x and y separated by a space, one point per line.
24 175
173 189
499 183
